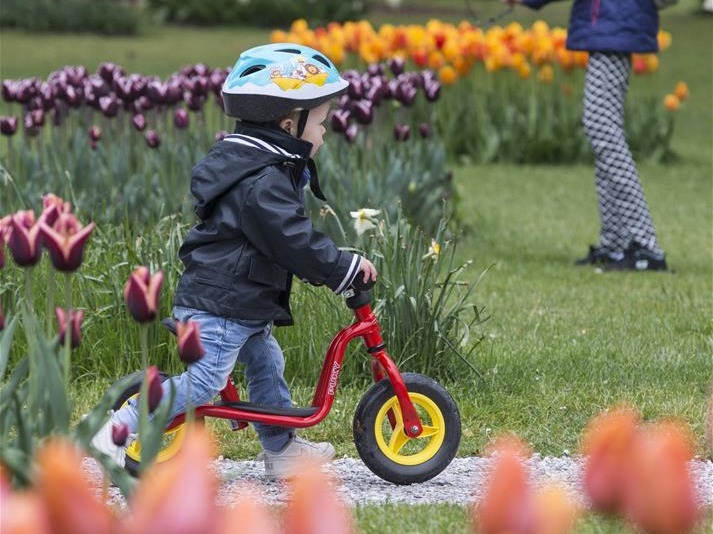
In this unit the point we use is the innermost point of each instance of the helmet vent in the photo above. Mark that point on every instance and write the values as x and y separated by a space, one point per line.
323 60
290 51
252 70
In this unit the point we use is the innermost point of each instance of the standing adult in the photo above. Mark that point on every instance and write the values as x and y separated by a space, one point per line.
611 30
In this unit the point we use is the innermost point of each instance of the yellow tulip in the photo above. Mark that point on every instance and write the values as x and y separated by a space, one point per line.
664 40
545 74
652 62
524 70
671 102
448 75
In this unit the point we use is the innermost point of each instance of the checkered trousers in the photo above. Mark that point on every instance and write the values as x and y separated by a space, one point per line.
623 212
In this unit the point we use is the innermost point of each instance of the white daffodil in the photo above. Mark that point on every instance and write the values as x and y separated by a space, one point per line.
433 251
364 219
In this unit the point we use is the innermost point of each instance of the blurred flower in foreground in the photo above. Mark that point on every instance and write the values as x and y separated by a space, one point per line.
660 496
141 294
177 496
247 512
315 507
607 445
75 325
364 219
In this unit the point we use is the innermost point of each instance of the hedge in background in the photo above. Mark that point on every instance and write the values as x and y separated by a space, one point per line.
112 17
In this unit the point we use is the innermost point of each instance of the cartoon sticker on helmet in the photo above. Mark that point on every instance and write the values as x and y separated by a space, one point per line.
295 74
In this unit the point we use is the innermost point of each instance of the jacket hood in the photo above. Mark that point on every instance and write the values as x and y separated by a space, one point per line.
240 155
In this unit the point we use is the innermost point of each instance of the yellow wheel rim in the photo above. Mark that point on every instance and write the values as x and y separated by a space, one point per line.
400 448
172 442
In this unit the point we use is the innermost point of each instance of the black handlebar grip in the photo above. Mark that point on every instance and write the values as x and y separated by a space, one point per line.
359 284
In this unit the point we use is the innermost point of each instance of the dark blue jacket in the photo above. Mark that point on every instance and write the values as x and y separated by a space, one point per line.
610 25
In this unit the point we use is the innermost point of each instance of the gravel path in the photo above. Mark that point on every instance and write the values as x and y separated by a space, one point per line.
461 483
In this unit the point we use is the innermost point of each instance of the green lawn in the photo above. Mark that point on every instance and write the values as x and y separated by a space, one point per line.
562 343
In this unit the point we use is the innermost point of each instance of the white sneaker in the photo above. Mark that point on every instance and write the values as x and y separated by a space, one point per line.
283 464
103 442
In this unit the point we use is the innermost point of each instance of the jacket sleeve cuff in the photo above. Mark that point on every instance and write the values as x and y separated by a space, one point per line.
344 277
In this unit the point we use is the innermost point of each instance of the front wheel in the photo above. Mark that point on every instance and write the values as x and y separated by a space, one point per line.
384 446
172 439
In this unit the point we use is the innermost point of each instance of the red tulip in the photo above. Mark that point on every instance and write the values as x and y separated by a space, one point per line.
190 348
660 496
607 444
75 321
24 238
155 390
141 294
65 241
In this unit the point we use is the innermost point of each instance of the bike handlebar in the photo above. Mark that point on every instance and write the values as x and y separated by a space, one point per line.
359 284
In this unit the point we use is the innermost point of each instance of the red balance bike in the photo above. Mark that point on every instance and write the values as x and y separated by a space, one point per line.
406 427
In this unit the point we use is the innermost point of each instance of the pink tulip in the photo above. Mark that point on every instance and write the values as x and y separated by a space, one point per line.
24 239
141 294
51 200
190 348
65 241
155 390
75 322
119 434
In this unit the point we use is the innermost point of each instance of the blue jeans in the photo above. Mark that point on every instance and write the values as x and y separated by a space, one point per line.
226 342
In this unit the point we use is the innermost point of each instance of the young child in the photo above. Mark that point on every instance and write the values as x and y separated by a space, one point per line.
252 237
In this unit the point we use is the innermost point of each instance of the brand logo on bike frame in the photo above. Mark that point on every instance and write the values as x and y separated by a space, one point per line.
333 379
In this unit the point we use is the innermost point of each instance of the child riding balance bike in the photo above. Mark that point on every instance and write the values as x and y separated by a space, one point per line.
252 237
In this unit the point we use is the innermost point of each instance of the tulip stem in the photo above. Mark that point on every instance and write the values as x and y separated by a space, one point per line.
67 328
50 301
144 390
189 401
28 288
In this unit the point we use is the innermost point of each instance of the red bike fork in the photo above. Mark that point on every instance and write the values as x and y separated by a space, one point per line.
382 366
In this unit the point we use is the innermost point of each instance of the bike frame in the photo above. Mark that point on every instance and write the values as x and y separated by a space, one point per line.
365 326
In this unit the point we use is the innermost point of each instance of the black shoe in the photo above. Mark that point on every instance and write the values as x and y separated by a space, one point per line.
596 256
637 258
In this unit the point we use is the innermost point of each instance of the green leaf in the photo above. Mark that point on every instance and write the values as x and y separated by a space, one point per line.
6 337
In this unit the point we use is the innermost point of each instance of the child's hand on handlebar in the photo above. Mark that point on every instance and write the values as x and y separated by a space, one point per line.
368 270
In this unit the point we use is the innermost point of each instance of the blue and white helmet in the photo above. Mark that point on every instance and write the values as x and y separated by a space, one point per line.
269 81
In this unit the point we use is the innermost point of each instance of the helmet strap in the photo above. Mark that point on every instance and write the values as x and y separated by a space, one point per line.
302 122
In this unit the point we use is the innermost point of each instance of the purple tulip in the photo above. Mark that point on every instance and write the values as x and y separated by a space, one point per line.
407 94
217 78
65 241
432 91
180 119
363 111
96 85
139 122
155 391
24 239
25 91
8 125
31 129
156 92
397 65
190 348
38 117
375 69
75 326
119 434
350 134
9 90
141 294
152 138
402 132
194 101
219 136
73 97
109 106
425 130
47 96
340 120
107 70
355 89
95 133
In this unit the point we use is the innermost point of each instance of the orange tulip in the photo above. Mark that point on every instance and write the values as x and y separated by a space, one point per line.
71 506
177 496
671 102
555 512
314 507
23 513
681 91
448 75
507 504
660 495
247 515
607 444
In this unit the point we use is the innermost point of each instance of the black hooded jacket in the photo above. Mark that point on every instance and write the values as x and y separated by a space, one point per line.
253 234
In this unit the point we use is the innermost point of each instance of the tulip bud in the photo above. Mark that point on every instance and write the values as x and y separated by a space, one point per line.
38 117
180 118
363 112
75 320
139 122
109 106
340 120
402 132
95 133
397 64
119 434
351 133
152 138
155 390
8 125
425 130
141 294
190 348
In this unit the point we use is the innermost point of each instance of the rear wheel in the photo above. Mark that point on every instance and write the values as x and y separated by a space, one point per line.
172 439
385 447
